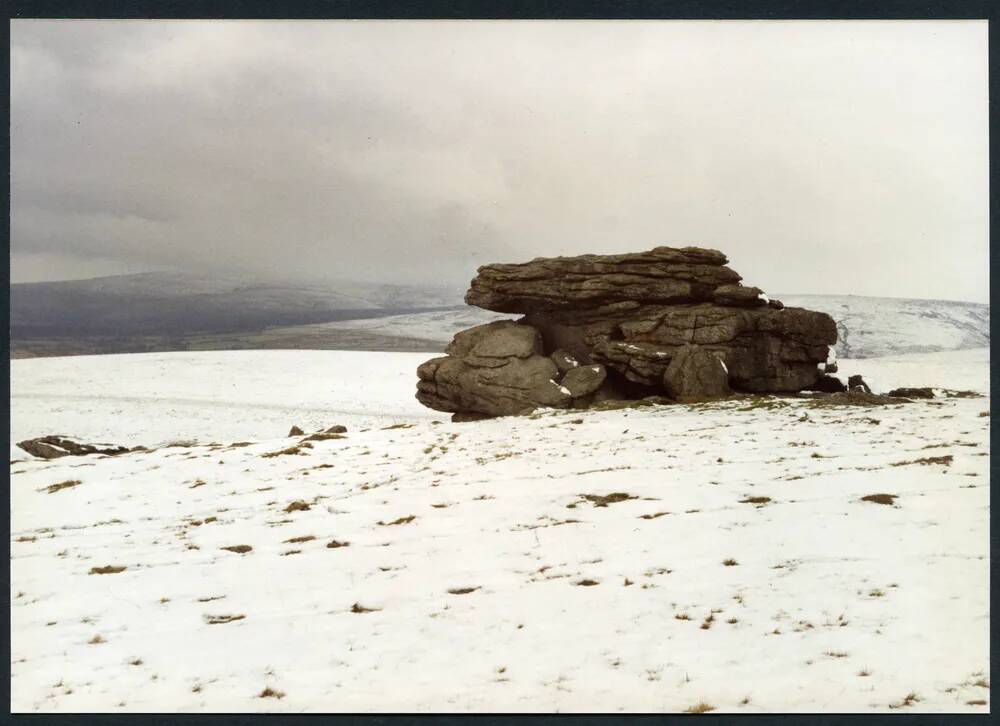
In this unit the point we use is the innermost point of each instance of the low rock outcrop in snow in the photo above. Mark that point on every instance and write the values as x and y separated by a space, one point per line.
610 327
54 447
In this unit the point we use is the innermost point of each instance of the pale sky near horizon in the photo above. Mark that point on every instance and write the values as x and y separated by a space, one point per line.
821 157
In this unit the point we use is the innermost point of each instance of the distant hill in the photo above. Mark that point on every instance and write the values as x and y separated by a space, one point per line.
160 311
158 303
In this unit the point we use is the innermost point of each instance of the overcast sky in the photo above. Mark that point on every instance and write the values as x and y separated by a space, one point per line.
826 157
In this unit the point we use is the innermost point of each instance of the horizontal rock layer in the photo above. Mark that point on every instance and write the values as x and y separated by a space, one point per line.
662 275
605 327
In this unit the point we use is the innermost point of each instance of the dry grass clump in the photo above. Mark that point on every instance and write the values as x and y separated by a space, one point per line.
700 708
323 437
928 461
334 544
297 540
291 450
603 500
107 570
271 693
587 582
755 500
880 498
461 590
908 700
854 397
238 549
401 520
653 516
298 506
222 619
358 608
730 562
53 488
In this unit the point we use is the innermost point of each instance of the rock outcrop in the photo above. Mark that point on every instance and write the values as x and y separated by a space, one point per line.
613 327
54 447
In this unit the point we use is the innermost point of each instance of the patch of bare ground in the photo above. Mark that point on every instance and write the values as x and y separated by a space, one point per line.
107 570
854 397
880 498
53 488
222 619
324 437
238 549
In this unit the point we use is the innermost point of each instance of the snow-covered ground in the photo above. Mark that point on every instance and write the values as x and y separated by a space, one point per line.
474 572
155 398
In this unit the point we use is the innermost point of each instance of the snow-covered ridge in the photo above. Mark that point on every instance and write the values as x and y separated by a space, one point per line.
867 326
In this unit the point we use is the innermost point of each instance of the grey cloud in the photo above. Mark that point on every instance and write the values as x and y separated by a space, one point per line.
822 157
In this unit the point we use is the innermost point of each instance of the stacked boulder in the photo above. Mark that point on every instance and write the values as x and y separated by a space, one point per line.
668 322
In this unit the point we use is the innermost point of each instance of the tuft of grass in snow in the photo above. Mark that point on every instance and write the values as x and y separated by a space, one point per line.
461 590
53 488
880 498
700 708
908 700
270 693
730 562
358 608
927 461
291 450
107 570
603 500
755 500
238 549
222 619
401 520
298 506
